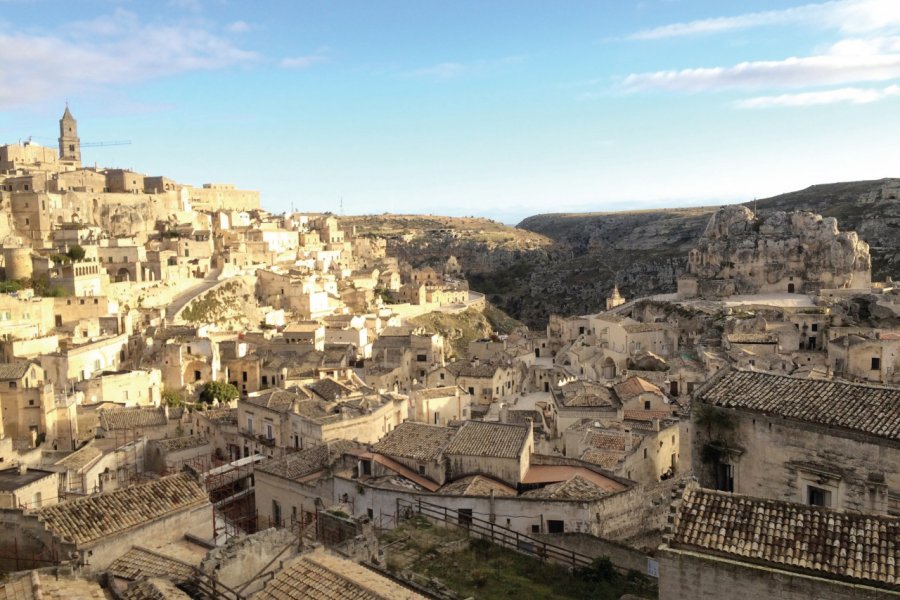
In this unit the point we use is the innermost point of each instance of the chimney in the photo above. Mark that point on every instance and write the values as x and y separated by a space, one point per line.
504 412
628 447
23 469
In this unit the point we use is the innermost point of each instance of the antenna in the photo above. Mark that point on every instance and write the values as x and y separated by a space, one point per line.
342 206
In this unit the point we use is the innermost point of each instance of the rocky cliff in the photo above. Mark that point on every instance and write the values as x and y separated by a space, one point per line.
742 253
567 263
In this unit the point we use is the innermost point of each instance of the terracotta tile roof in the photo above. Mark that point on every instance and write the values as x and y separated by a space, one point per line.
153 589
574 488
418 441
869 409
479 438
610 440
276 400
113 419
139 562
648 415
329 389
477 485
320 576
795 536
602 458
467 369
13 370
309 460
88 519
646 327
635 386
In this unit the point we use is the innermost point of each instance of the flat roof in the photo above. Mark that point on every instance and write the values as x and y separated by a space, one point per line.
12 479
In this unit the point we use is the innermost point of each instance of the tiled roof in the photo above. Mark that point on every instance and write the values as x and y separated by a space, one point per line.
797 536
479 438
87 519
580 393
13 370
299 464
417 441
466 369
645 327
329 389
276 400
574 488
140 562
648 415
635 386
610 440
181 443
602 458
869 409
220 415
153 589
112 419
321 576
477 485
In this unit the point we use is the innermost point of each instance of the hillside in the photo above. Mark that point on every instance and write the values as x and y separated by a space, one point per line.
567 263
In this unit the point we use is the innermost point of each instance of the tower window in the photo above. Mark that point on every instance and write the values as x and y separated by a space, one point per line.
71 147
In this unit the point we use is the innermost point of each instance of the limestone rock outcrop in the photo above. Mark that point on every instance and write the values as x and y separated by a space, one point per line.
779 252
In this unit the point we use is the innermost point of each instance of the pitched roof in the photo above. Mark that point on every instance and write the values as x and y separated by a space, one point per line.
276 400
310 460
321 576
869 409
417 441
329 389
28 585
574 488
112 419
796 536
751 338
87 519
153 589
13 370
477 485
635 386
140 562
80 458
479 438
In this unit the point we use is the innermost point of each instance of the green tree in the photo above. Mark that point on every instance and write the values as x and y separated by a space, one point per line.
218 390
172 397
76 253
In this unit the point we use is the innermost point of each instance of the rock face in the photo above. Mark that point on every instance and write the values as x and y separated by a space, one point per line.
740 253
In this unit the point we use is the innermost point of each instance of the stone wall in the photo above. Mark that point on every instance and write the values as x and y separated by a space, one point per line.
693 576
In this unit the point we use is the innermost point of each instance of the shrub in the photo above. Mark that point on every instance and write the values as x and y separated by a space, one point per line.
218 390
76 253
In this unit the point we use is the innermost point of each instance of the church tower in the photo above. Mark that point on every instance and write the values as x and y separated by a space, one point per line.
69 144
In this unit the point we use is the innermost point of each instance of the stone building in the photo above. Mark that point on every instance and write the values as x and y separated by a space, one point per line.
817 442
761 549
151 513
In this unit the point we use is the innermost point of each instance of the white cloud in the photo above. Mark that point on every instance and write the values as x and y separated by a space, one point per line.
838 96
239 27
304 62
452 70
106 52
848 16
851 60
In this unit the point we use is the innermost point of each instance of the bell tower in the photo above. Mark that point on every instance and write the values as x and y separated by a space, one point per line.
69 144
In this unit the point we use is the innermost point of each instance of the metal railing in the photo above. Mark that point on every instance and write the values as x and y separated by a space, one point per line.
499 535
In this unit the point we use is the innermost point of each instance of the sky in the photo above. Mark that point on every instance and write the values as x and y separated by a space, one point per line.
501 109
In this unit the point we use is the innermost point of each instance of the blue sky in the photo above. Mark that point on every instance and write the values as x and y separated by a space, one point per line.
500 109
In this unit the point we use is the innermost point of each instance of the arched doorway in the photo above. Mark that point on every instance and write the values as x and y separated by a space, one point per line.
791 288
609 368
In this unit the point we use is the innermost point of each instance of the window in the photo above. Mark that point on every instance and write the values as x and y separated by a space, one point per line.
250 424
442 376
646 405
556 526
471 391
421 469
12 385
276 512
876 363
535 528
464 517
816 496
270 432
265 380
370 513
815 326
645 453
197 376
421 357
244 376
31 403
